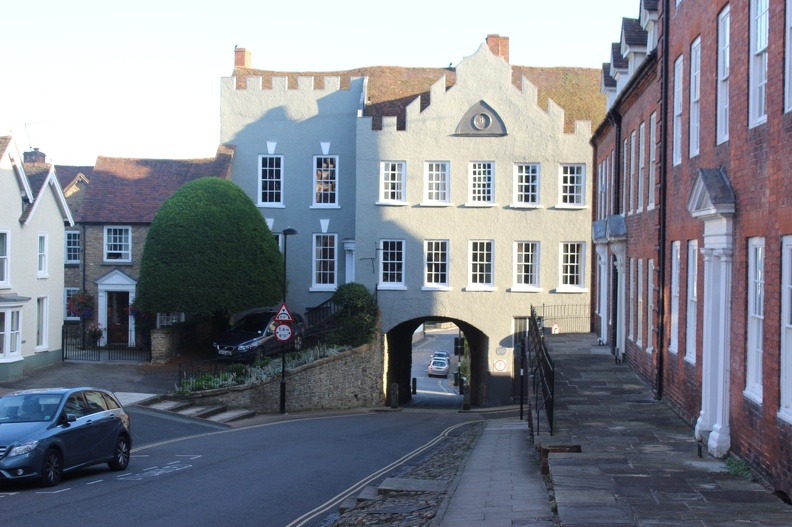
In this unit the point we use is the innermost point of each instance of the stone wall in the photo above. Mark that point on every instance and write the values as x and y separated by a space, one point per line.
352 379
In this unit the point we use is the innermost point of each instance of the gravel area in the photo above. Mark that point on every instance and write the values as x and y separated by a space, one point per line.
416 509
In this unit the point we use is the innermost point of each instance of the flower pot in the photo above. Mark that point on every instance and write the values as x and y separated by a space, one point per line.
87 313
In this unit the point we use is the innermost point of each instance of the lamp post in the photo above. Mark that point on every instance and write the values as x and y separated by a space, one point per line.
286 233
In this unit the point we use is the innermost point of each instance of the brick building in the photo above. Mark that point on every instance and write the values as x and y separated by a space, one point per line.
693 219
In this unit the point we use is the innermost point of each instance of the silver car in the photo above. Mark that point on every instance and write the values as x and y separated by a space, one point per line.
438 367
47 432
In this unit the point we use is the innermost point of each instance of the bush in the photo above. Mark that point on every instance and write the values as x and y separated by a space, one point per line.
358 323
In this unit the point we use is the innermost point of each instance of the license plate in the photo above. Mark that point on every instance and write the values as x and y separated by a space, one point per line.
224 352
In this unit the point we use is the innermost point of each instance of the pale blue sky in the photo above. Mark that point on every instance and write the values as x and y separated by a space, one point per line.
83 78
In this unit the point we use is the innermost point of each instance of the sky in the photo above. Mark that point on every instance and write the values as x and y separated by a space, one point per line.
84 78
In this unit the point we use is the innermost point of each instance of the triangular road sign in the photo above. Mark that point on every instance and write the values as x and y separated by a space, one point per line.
283 314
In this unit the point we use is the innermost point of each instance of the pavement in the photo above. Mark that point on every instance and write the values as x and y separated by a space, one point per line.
617 457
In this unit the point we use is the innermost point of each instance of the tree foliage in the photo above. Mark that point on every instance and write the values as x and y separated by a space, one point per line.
358 322
209 250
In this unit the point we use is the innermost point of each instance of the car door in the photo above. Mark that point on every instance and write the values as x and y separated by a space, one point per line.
75 436
104 425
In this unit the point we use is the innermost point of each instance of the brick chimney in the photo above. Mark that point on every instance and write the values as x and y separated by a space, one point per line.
242 58
499 46
34 156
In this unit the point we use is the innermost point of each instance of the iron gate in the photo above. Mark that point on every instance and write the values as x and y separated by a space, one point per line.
78 346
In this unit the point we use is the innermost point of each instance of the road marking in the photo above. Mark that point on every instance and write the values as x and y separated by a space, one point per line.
154 472
94 482
52 491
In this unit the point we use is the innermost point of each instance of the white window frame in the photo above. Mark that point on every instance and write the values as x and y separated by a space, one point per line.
633 290
632 172
758 56
572 186
526 266
785 384
169 319
72 247
692 302
5 258
68 292
695 98
526 185
274 181
481 265
326 182
788 59
42 323
125 252
324 268
391 264
755 320
393 183
640 307
641 164
650 306
673 342
42 268
481 183
625 153
650 198
10 333
572 267
436 265
724 60
677 131
436 183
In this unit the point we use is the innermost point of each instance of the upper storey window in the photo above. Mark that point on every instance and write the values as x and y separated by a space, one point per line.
436 178
326 181
392 174
757 93
270 180
526 185
482 177
573 185
118 244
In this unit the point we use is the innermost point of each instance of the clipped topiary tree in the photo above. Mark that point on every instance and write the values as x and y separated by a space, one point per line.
359 318
209 251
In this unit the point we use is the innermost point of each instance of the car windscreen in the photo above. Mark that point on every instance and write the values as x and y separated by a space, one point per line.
253 323
28 407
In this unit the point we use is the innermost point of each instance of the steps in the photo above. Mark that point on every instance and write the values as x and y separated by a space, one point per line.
217 414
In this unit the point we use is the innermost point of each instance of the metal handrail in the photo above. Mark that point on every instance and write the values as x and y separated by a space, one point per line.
542 371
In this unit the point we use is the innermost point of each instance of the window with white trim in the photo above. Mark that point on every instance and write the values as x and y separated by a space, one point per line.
481 268
692 302
787 58
437 176
526 184
324 262
10 332
650 200
326 181
601 191
117 244
673 343
573 185
785 403
526 266
641 164
624 173
42 324
649 306
70 314
631 190
42 269
640 307
757 85
72 251
754 346
695 97
631 322
482 177
270 181
722 110
677 137
436 264
5 259
392 181
169 319
391 264
573 266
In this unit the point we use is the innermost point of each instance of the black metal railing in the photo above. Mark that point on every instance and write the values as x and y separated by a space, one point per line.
119 345
316 315
542 371
566 318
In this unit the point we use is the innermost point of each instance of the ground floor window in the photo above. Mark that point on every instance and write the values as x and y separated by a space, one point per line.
10 334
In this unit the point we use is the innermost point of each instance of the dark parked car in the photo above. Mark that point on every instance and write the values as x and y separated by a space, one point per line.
252 337
46 432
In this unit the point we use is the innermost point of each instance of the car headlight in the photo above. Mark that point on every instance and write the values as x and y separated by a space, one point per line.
23 448
245 347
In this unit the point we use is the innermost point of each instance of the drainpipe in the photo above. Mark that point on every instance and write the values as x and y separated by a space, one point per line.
615 119
662 208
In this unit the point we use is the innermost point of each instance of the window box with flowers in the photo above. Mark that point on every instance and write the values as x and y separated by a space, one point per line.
81 304
94 332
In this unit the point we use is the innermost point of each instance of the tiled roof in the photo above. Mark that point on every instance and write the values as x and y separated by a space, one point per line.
607 80
649 5
67 174
124 190
391 89
37 174
5 140
618 62
632 32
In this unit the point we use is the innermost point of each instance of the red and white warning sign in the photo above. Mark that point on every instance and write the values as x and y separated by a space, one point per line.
283 314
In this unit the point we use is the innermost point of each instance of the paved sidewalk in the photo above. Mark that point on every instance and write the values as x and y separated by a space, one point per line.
638 462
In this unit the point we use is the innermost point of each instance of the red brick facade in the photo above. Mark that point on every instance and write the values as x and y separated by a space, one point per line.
754 161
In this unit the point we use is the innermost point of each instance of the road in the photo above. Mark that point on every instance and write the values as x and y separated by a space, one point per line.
286 473
435 392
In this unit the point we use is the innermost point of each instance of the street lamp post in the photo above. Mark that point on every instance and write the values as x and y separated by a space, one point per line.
286 233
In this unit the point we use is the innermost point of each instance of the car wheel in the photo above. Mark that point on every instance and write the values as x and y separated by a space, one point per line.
52 470
120 454
298 342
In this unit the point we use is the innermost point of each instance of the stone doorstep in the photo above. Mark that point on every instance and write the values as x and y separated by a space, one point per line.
232 415
170 406
545 449
217 414
203 412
